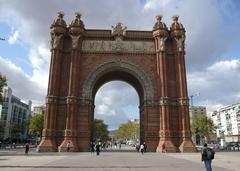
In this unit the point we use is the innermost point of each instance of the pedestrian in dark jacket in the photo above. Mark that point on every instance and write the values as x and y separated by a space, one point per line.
26 148
145 147
92 147
207 156
98 149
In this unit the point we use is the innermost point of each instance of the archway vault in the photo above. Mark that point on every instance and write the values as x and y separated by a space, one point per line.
84 59
118 70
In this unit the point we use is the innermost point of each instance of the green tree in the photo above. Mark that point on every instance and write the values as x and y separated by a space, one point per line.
3 82
15 131
1 129
100 131
129 130
36 125
203 126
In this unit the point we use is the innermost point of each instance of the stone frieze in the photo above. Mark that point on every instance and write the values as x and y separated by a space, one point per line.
118 45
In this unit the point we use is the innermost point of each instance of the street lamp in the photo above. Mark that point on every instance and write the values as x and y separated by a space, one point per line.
194 95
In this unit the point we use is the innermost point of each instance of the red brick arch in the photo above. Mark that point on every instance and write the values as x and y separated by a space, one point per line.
83 60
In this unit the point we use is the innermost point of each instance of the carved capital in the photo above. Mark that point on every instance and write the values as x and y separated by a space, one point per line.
168 133
48 133
183 101
165 133
164 101
70 133
51 99
72 100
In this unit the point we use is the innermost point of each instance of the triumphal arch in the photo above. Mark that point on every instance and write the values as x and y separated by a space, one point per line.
82 60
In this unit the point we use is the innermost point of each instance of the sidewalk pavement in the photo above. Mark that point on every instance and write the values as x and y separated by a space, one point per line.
117 161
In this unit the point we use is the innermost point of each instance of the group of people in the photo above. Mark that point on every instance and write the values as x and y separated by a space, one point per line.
141 148
95 147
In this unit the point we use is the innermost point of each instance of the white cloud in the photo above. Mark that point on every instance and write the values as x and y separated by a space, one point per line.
103 109
13 38
111 103
211 106
40 62
218 84
22 84
155 4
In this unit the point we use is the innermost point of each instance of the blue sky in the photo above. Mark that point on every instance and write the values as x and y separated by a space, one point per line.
17 52
212 46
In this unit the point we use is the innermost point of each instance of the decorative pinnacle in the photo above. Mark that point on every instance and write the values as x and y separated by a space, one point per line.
60 14
175 18
78 15
159 17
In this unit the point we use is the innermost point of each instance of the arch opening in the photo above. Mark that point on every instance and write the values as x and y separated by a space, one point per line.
119 76
124 76
116 104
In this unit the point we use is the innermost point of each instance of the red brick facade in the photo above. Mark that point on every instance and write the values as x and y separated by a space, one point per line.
83 60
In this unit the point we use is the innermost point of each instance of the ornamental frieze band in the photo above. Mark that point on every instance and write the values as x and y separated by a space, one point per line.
103 46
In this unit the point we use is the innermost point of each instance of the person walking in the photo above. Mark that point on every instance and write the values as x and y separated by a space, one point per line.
145 147
207 157
164 150
26 148
142 148
98 149
68 146
137 147
92 147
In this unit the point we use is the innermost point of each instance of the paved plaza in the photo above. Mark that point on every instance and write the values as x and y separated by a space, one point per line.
116 161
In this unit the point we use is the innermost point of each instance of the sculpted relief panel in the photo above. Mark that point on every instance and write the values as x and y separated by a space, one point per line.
118 45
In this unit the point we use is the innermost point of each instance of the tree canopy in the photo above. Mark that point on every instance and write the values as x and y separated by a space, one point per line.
1 129
203 126
36 125
129 130
16 131
100 131
3 82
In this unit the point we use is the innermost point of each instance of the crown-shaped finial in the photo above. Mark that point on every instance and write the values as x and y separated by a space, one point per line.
159 17
60 14
175 18
78 15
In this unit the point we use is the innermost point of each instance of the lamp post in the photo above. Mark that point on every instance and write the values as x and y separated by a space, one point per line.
194 95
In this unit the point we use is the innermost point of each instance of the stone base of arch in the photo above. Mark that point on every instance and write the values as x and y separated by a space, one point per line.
73 145
187 146
47 145
168 144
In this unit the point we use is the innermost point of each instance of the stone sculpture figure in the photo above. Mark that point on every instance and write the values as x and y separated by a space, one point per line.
162 43
118 30
75 41
180 43
56 40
